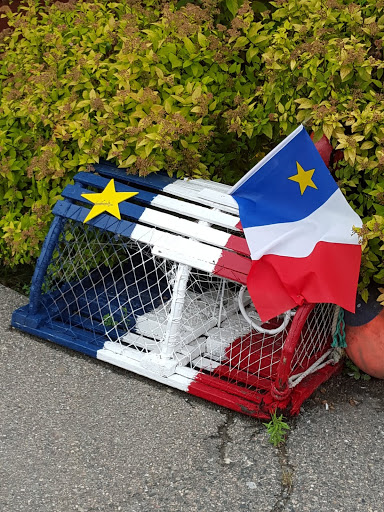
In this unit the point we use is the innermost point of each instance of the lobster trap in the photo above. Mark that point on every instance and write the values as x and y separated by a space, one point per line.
162 292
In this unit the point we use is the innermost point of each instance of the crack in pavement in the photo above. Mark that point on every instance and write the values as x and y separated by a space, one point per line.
286 479
225 438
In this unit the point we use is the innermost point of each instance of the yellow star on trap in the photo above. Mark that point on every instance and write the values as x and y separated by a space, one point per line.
106 201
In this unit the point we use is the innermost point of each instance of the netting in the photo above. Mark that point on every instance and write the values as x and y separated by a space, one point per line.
113 290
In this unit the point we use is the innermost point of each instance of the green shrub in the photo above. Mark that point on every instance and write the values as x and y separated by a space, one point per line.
149 88
322 65
152 87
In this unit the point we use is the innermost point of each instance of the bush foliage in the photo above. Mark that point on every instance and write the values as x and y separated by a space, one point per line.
154 86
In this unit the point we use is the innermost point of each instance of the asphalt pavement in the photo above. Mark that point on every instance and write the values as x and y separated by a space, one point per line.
77 434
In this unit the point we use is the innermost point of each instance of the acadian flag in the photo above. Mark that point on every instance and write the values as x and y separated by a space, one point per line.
299 229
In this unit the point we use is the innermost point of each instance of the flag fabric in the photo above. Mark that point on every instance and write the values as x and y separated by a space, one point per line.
299 229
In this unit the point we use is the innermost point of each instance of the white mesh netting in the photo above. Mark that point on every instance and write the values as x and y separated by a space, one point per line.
106 288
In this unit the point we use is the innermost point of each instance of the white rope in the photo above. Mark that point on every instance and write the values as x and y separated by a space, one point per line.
257 327
296 379
335 353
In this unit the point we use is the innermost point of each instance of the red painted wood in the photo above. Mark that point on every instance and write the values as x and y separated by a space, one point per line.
233 389
284 367
233 266
227 400
237 244
307 386
243 377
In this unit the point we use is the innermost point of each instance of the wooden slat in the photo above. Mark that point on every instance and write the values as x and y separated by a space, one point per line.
186 189
128 361
204 256
233 389
218 198
226 399
167 222
156 181
214 185
170 204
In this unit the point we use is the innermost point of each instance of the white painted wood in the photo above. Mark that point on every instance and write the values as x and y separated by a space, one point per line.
118 349
202 256
152 324
174 321
159 364
187 372
191 192
219 199
214 185
198 343
192 258
184 227
220 338
127 362
190 352
139 341
212 216
205 364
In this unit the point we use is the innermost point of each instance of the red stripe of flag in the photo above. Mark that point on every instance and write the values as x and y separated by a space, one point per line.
279 283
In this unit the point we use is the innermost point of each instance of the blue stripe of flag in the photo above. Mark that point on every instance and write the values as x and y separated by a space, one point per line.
268 196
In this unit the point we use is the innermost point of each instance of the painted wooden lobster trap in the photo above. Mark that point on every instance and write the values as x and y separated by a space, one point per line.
162 293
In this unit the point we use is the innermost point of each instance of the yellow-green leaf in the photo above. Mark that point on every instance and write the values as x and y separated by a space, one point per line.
129 161
304 103
267 130
241 41
189 45
368 144
202 39
344 72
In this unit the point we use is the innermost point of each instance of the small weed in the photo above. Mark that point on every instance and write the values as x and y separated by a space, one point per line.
277 429
111 321
353 371
26 288
287 478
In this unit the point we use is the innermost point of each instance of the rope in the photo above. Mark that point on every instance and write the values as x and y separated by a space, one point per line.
336 312
296 379
335 355
280 394
338 329
287 316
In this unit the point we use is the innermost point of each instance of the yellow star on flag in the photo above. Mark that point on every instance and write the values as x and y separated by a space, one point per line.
106 201
303 178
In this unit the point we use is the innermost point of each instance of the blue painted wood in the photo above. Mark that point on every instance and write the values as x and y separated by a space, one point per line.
97 329
75 339
113 293
154 181
22 318
104 221
43 262
127 208
89 179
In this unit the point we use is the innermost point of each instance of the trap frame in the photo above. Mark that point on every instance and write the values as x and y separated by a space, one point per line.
162 293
